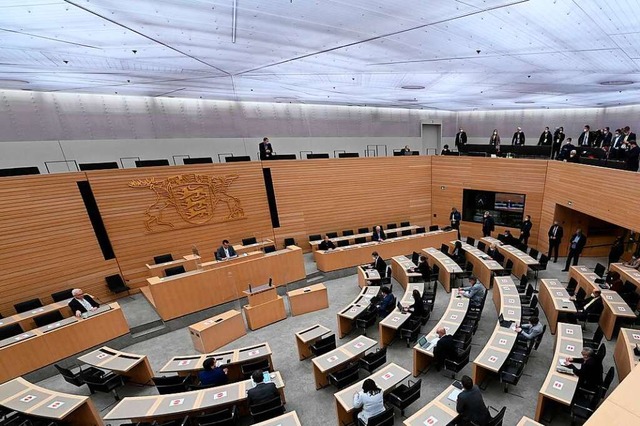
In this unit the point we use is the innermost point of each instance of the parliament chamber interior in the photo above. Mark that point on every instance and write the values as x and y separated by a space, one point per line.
277 224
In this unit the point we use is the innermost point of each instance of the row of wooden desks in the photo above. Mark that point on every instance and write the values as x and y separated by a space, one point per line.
355 308
484 267
627 274
189 262
25 319
555 302
621 406
336 359
521 260
43 346
400 270
351 238
135 367
441 410
451 321
615 308
358 254
623 355
307 337
503 339
557 386
223 281
389 326
448 268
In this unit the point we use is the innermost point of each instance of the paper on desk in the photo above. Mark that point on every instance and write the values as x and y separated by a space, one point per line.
453 396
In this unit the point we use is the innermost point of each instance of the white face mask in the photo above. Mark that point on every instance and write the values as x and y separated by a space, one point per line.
593 295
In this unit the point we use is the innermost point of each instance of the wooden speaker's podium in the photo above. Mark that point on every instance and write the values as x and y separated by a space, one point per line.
265 306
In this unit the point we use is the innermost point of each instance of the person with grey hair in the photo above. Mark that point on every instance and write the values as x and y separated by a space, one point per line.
81 303
590 374
475 292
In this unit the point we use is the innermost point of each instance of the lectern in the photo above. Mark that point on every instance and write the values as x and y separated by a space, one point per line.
265 306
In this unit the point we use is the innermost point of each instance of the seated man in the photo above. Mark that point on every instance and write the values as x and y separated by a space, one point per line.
378 264
590 305
590 374
470 404
475 292
445 150
378 234
263 392
423 268
213 374
445 348
509 239
326 244
387 303
82 303
225 251
492 251
530 331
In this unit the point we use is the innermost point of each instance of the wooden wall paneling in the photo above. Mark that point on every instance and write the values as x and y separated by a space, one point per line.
48 242
319 196
123 210
450 175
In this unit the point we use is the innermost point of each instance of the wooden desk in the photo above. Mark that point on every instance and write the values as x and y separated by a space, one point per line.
135 367
25 319
141 408
51 343
450 320
265 307
501 342
621 406
358 254
441 410
560 387
521 260
627 274
399 267
194 291
287 419
309 299
484 267
355 308
190 263
386 378
213 264
232 359
337 358
389 326
555 302
213 333
447 266
307 337
351 238
260 245
24 397
526 421
367 276
623 354
615 308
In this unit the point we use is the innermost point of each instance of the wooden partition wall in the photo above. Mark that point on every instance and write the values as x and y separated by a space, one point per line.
319 196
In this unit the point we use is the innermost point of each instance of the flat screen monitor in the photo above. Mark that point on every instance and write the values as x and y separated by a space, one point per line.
198 160
506 208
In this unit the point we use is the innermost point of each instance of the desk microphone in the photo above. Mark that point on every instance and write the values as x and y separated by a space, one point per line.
249 288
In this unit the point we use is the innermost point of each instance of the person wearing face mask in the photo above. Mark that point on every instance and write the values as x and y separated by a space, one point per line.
565 151
461 138
589 305
525 230
586 138
576 244
558 138
494 140
488 225
607 136
616 144
545 138
518 137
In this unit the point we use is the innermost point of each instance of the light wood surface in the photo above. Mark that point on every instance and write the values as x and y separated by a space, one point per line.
521 260
213 333
287 419
135 367
623 354
526 421
267 313
447 266
257 246
440 410
308 299
621 406
400 266
190 262
49 345
483 266
627 274
388 327
351 238
347 316
307 337
555 302
25 319
336 359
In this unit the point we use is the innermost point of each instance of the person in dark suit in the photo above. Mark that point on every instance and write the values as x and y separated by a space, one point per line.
586 138
591 305
633 156
545 138
518 137
445 150
266 151
616 144
565 151
455 218
590 374
525 230
262 392
445 348
558 138
423 268
470 405
492 251
213 375
607 136
326 244
458 254
461 138
378 234
225 251
617 249
82 303
555 237
628 135
509 239
378 264
417 308
488 224
387 304
576 244
494 140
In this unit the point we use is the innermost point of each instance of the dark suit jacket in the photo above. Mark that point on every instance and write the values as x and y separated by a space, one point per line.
492 253
386 305
590 375
445 349
376 237
74 305
558 234
423 268
525 228
606 139
461 138
471 406
326 245
380 265
515 137
581 242
595 308
220 254
565 151
545 138
591 141
263 150
488 224
263 392
616 142
455 216
633 159
558 138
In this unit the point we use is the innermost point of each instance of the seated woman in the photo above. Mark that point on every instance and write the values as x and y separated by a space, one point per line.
370 399
458 253
417 309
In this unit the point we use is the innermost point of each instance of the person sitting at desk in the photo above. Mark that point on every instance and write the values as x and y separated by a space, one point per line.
423 268
590 305
378 234
417 309
475 292
458 253
590 374
82 303
470 405
530 331
225 251
371 399
378 264
445 348
509 239
263 392
445 150
213 374
633 263
614 282
386 305
326 244
493 251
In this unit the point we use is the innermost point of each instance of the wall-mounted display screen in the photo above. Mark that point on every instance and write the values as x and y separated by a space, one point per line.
506 208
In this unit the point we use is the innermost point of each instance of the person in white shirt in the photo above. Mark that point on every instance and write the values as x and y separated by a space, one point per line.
82 303
371 399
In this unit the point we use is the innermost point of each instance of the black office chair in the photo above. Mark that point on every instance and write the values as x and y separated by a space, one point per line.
406 232
347 233
511 372
105 382
249 368
595 340
498 418
10 330
345 376
367 318
266 410
371 361
48 318
391 226
471 241
410 330
174 270
601 352
403 396
27 305
177 422
249 241
74 376
332 234
421 230
386 418
360 240
482 246
315 237
343 243
534 253
584 404
116 284
571 286
63 295
526 297
324 345
434 228
459 362
171 384
541 266
270 249
499 257
405 224
289 242
392 234
508 267
363 230
163 258
444 248
225 417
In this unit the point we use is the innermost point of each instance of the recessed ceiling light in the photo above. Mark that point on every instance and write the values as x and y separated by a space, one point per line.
616 83
407 100
413 87
13 81
524 102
